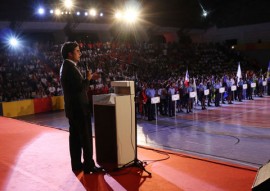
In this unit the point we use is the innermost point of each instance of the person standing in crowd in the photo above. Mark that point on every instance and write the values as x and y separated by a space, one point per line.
77 109
163 101
171 103
143 101
150 93
244 88
240 90
249 89
181 95
201 96
209 86
217 94
229 84
188 99
260 86
160 107
268 85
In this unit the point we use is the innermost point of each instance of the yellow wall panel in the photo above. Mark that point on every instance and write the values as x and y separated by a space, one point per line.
58 102
18 108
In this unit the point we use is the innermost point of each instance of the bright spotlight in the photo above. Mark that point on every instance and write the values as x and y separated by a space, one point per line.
93 12
118 15
68 4
205 13
131 15
51 11
57 12
13 42
101 14
85 14
41 11
78 13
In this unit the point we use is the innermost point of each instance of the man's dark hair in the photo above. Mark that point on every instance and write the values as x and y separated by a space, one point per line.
67 48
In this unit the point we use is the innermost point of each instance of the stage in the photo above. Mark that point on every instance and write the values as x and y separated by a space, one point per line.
217 149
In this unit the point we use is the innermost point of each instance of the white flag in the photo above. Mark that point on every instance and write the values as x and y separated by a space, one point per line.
239 73
195 89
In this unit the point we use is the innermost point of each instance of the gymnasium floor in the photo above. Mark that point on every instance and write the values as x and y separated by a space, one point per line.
237 133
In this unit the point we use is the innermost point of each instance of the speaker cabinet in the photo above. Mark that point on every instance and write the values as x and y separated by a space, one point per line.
262 179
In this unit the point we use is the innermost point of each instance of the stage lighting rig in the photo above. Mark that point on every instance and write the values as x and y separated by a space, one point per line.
66 9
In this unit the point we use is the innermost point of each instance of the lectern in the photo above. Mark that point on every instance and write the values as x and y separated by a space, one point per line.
114 119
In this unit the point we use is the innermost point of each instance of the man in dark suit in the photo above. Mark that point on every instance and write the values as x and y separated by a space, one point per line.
77 108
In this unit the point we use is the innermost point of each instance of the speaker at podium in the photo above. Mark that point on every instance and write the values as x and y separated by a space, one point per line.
114 124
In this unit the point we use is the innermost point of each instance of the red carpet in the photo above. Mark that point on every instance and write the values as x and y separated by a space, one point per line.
34 157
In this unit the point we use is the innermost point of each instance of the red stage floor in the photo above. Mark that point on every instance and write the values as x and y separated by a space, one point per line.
34 157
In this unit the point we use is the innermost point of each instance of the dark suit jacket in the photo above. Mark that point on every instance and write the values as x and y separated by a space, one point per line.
75 88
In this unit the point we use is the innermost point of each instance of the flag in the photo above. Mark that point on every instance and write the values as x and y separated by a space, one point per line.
268 71
186 79
195 89
239 73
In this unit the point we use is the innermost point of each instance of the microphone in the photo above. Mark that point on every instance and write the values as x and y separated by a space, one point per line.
86 67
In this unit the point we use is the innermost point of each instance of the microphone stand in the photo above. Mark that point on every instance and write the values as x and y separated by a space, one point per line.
136 162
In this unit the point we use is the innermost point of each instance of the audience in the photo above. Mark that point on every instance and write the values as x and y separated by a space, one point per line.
36 74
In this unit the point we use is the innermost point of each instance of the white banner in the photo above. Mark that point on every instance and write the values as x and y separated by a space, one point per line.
264 83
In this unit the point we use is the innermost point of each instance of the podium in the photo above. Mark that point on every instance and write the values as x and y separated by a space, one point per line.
114 119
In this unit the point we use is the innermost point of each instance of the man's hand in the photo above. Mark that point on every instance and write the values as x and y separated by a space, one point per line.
92 76
95 76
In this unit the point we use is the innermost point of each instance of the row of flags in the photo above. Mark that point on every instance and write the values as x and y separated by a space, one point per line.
238 74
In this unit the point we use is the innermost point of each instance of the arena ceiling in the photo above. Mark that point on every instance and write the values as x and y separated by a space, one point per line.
173 13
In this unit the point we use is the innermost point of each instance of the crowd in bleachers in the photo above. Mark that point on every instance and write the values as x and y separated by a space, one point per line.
26 75
35 73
